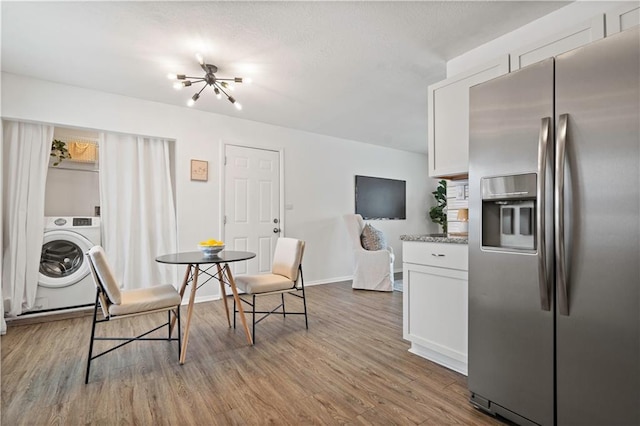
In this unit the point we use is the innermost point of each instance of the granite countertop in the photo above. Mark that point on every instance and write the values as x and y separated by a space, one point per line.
436 238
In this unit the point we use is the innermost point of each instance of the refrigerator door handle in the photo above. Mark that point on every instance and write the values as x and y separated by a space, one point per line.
558 201
543 152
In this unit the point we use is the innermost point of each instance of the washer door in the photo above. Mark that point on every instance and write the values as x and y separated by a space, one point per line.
62 260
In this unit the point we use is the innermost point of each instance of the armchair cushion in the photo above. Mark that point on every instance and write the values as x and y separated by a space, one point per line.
372 238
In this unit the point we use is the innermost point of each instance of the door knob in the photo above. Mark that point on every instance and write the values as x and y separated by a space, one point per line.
276 230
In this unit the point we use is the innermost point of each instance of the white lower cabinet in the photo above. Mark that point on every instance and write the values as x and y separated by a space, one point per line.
435 302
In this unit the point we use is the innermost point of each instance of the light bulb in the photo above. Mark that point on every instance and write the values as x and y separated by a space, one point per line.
236 104
247 80
193 100
217 92
177 85
200 58
171 76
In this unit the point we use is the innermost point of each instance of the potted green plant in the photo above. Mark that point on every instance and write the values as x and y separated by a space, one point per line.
59 151
438 213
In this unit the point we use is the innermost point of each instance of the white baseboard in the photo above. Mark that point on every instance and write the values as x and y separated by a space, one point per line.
329 281
200 299
439 358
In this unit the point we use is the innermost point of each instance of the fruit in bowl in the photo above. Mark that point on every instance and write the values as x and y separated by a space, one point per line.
210 247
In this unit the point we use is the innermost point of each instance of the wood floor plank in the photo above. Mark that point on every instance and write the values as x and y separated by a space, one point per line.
350 367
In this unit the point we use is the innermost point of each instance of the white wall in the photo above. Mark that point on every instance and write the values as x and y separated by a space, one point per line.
319 170
71 192
555 22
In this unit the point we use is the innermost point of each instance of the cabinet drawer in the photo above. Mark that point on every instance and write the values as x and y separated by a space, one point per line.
443 255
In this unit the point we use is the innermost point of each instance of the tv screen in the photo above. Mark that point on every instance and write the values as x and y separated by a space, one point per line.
379 198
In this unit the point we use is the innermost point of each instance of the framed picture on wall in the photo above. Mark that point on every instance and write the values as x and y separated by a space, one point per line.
199 170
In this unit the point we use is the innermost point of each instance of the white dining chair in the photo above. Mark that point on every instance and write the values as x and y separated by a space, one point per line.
117 304
285 278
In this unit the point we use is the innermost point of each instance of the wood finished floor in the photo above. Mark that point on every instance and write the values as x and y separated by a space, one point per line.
351 367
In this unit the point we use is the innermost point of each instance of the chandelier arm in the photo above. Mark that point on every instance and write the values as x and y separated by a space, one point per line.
203 87
221 89
194 79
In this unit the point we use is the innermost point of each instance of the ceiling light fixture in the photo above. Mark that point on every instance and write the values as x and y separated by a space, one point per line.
218 84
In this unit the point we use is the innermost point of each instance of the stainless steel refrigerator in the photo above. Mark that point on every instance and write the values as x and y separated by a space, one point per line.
554 239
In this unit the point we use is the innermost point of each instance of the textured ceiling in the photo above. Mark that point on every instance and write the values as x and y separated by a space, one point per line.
355 70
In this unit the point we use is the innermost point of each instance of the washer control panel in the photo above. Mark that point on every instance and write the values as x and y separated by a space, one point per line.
81 221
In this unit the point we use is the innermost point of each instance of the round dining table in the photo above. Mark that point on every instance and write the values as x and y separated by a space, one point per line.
198 264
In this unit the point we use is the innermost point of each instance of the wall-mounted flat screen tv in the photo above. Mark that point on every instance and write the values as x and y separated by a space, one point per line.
379 198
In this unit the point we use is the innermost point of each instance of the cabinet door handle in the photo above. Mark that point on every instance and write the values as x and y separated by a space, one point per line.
437 254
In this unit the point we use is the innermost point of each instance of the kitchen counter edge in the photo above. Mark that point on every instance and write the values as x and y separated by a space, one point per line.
436 238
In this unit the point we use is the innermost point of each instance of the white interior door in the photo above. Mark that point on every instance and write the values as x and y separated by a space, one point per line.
252 205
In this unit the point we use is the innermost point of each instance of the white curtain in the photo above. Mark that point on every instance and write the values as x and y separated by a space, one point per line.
25 158
137 208
3 323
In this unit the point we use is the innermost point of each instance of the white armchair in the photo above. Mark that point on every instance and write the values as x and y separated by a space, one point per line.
373 269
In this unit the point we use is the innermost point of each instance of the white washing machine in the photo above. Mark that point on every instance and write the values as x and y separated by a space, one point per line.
65 278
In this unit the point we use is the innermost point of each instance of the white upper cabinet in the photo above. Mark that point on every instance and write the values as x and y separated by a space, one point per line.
448 119
554 45
623 18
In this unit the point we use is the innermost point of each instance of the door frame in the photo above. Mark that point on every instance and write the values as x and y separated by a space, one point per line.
221 188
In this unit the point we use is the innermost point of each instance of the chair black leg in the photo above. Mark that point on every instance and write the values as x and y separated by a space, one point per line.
304 301
253 315
93 333
284 313
179 333
234 313
168 325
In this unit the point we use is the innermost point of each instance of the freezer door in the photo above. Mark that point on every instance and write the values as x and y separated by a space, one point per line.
510 321
598 342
